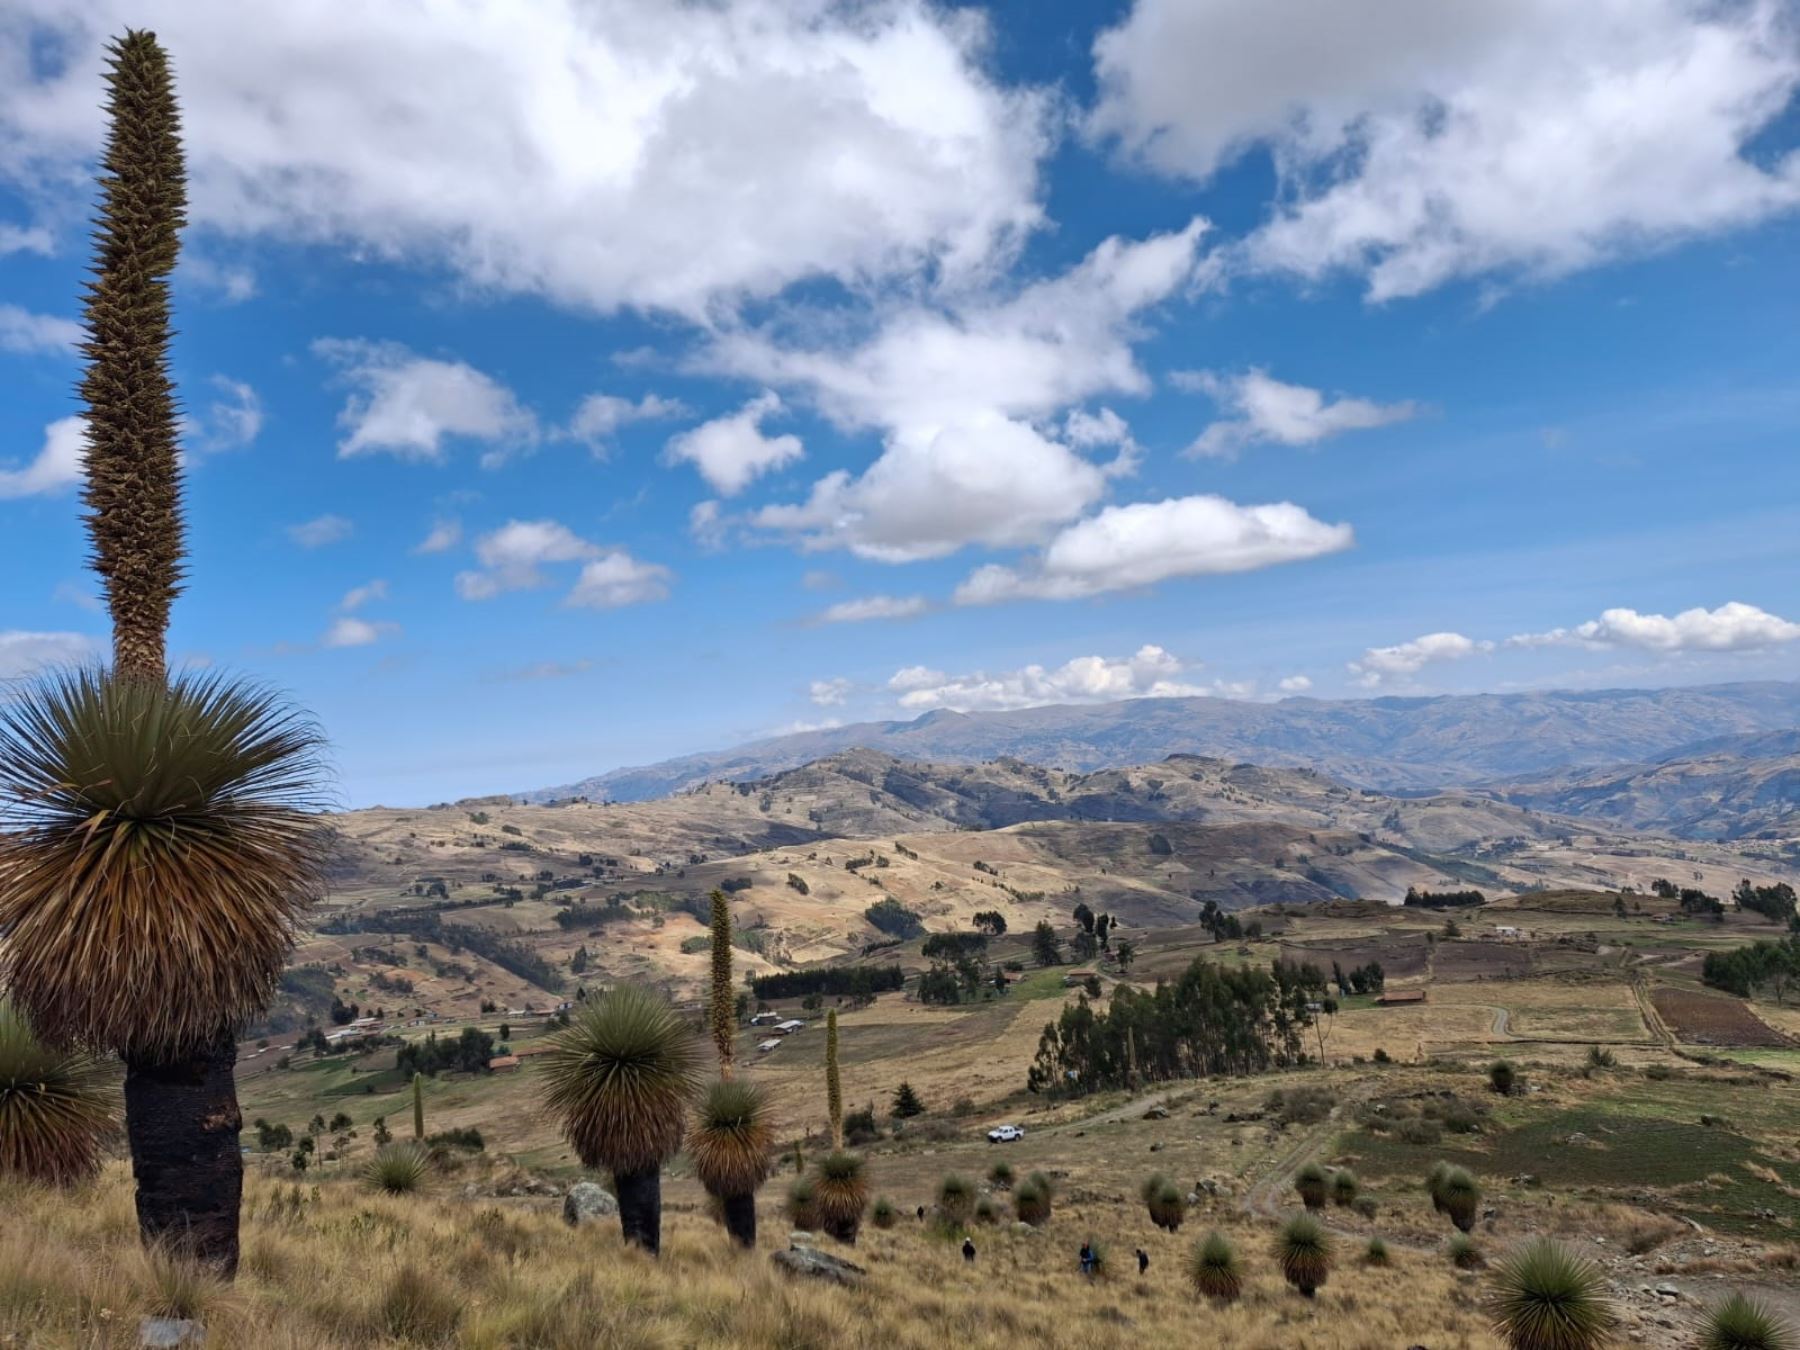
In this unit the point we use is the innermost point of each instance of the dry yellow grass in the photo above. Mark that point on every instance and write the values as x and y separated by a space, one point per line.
336 1267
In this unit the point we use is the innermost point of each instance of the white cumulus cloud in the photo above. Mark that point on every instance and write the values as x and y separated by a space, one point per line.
321 531
1262 410
232 420
731 452
640 153
347 630
1125 547
24 332
1420 141
616 578
875 607
598 417
1295 684
58 464
1399 663
1733 627
443 536
830 693
23 653
1151 672
406 405
962 394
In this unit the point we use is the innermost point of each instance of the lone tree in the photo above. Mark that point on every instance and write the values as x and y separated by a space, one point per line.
621 1077
907 1103
158 840
1044 946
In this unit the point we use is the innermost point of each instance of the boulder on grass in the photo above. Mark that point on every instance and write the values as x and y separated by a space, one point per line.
818 1265
588 1202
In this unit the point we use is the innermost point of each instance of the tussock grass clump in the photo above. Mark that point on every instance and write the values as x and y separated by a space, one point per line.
57 1107
1215 1269
955 1198
1742 1323
1503 1078
883 1214
174 1286
1463 1253
1376 1253
1313 1186
1303 1251
418 1307
986 1211
1001 1176
397 1169
1547 1298
1344 1188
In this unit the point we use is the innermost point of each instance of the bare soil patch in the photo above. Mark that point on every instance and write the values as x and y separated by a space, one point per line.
1709 1019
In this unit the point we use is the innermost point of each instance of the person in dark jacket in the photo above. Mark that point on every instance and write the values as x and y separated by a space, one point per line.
1143 1260
1087 1259
969 1250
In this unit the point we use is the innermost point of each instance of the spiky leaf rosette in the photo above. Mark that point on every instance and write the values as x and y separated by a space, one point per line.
841 1192
1547 1298
1310 1182
1032 1204
158 843
1303 1251
803 1203
883 1214
1741 1323
1461 1197
397 1169
133 491
732 1143
1344 1187
1215 1269
955 1197
722 1010
621 1077
57 1107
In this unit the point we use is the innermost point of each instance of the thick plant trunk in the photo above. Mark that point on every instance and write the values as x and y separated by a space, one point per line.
182 1121
740 1219
640 1207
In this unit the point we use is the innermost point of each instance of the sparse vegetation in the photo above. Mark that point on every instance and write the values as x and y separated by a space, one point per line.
1547 1298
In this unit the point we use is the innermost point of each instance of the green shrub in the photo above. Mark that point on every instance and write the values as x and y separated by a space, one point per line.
1032 1200
1503 1078
1425 1133
1001 1175
1461 1197
1163 1199
1599 1057
1547 1298
1463 1253
1303 1251
1741 1323
883 1214
1344 1188
986 1211
1376 1253
802 1204
1215 1269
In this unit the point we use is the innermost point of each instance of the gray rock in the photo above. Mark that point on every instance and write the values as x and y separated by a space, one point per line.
1022 1229
818 1265
588 1202
170 1331
1157 1113
801 1238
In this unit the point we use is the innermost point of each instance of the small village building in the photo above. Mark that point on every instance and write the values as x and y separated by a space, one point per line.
789 1027
763 1047
1075 977
1398 997
503 1064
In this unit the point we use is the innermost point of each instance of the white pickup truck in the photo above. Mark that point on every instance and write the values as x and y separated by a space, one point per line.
1005 1134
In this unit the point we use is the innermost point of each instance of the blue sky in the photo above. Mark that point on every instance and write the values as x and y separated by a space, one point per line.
579 385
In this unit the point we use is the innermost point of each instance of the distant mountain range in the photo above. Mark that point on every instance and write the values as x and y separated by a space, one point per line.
1734 787
1525 743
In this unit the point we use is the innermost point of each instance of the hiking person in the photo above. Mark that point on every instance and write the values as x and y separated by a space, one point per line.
1143 1260
1087 1258
969 1250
